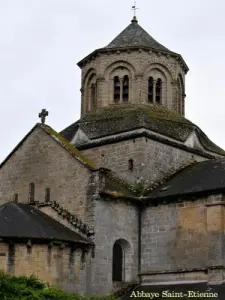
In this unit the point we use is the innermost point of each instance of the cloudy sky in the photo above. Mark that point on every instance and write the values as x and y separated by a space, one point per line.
42 40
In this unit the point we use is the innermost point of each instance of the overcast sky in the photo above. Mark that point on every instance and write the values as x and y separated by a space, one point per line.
42 40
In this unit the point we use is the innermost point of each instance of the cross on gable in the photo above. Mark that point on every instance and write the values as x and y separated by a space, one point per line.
42 115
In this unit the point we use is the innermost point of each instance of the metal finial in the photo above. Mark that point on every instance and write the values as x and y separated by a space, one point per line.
134 8
42 115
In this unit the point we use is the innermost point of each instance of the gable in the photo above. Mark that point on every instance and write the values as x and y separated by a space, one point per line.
42 128
44 159
80 138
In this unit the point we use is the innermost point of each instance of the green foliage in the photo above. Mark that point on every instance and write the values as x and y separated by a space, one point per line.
31 288
140 187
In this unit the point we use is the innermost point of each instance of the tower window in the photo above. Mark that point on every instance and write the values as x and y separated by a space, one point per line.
130 164
150 90
125 88
158 91
116 89
31 192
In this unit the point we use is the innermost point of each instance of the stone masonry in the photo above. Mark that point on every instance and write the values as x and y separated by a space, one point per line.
41 161
147 155
58 266
138 65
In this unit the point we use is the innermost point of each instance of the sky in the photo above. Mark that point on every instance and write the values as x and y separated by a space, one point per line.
41 42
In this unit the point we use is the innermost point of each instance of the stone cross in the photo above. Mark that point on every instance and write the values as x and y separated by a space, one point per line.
42 115
134 8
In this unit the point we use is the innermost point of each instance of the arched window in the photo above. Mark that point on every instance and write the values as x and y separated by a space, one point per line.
158 91
93 96
117 270
116 89
31 192
150 90
47 195
125 88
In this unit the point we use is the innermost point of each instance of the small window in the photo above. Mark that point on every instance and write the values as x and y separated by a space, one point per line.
158 91
31 192
47 195
15 198
125 88
130 164
150 90
116 89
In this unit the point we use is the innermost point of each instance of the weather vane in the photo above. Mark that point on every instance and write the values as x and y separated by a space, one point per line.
134 8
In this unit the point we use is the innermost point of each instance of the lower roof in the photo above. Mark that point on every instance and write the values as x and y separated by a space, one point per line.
122 118
201 177
18 220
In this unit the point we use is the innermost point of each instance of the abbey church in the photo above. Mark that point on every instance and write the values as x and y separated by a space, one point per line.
130 195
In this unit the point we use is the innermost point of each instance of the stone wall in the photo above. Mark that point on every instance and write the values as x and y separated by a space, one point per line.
139 65
183 240
152 160
114 221
41 160
58 266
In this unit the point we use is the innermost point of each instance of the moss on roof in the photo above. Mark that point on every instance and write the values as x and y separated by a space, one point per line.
124 110
70 148
123 118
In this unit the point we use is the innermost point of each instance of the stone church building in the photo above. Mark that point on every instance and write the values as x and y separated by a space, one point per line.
130 194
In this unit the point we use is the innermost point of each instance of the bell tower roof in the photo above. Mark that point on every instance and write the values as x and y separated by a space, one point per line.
135 36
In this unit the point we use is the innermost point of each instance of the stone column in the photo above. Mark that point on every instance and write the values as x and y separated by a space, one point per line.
137 93
121 90
183 104
154 91
174 101
102 94
82 102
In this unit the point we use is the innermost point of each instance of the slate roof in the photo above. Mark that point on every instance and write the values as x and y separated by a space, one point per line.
19 220
202 177
134 35
123 118
201 287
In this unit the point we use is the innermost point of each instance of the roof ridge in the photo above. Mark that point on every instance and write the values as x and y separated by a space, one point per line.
71 218
68 146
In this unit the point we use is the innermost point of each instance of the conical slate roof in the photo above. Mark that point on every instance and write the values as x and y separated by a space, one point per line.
134 36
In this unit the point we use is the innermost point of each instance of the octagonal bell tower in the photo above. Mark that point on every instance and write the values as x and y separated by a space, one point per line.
134 69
